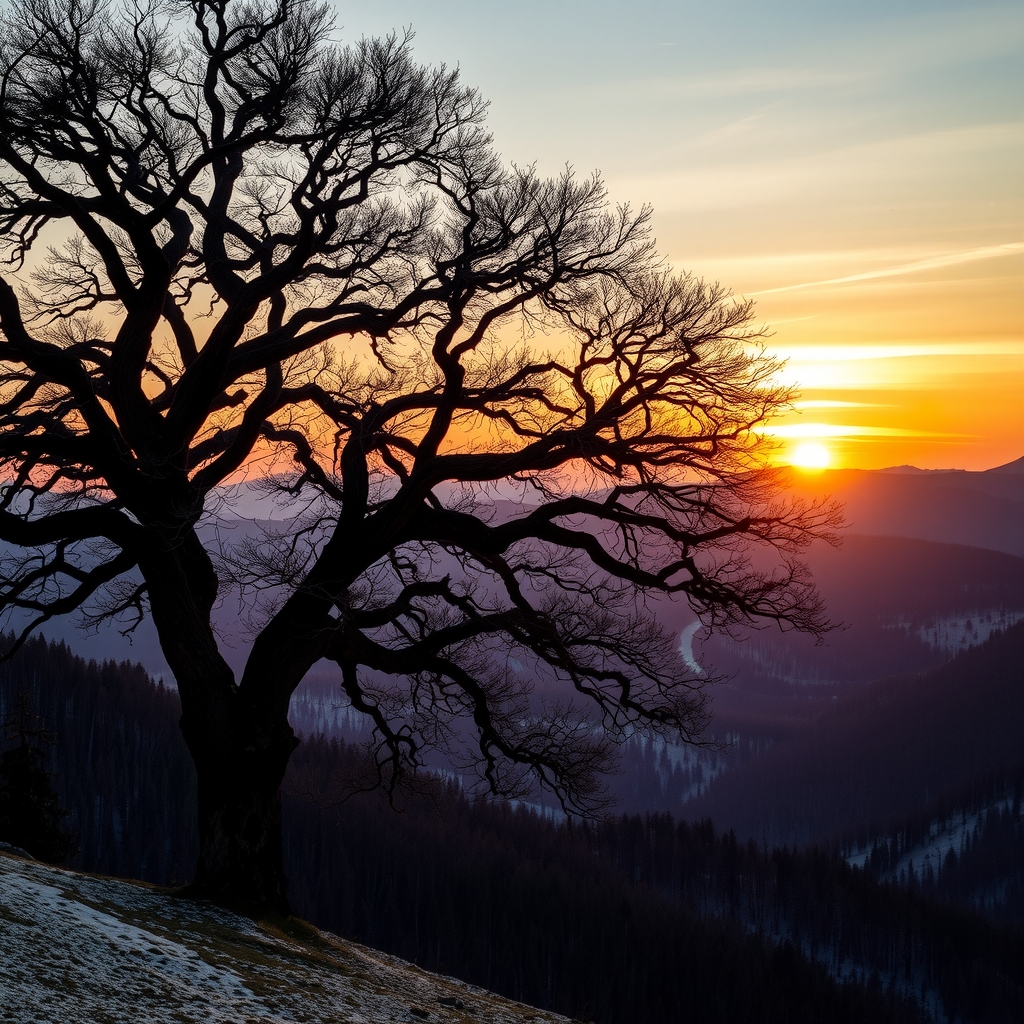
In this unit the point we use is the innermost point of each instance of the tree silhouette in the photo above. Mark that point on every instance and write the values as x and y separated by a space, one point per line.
234 246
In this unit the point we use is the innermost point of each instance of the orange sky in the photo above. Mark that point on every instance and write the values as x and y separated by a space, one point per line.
856 168
920 361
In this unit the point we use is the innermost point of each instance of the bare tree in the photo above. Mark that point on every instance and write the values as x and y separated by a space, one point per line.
234 245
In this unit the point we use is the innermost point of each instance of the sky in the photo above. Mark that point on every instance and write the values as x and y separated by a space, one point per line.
856 168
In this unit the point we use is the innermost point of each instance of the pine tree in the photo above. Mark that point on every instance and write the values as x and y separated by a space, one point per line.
31 816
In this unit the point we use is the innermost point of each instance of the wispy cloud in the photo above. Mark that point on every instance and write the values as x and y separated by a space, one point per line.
825 403
789 320
817 166
986 252
756 80
797 430
971 348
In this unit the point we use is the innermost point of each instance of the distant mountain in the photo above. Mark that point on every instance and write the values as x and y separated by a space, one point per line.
1015 468
915 471
887 751
983 510
902 605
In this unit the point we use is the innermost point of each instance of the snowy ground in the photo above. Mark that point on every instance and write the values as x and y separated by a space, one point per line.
78 948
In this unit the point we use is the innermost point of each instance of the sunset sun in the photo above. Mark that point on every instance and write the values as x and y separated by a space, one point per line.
810 455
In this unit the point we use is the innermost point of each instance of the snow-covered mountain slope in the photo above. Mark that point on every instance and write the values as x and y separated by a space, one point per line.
80 948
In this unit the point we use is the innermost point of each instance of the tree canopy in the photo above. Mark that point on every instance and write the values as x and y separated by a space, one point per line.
500 423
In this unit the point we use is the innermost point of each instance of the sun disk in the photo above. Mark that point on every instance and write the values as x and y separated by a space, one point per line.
810 455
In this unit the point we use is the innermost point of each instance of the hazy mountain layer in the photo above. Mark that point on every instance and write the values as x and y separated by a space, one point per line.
984 510
884 752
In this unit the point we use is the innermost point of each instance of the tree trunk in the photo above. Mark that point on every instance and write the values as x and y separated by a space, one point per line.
238 735
239 803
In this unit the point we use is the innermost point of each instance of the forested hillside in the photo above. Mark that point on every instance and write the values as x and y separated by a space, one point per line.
629 920
966 848
886 751
122 768
899 605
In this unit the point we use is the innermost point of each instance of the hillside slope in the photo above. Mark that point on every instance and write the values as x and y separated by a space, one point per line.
84 948
502 898
904 606
886 752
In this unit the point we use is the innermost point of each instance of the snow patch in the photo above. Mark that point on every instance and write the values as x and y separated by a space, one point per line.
79 949
959 632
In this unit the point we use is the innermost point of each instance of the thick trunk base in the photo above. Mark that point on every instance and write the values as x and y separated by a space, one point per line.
240 855
240 863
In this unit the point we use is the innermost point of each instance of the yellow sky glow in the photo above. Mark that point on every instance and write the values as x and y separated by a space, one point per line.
855 169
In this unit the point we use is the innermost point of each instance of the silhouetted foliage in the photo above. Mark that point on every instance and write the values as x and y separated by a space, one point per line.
243 244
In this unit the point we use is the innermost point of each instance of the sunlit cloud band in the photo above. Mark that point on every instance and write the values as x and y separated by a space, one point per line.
827 403
927 350
844 430
986 252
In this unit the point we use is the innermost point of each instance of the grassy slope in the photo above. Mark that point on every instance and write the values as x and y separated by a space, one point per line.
82 948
